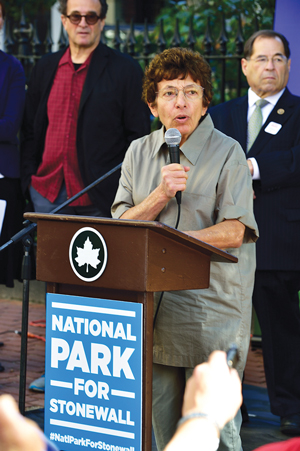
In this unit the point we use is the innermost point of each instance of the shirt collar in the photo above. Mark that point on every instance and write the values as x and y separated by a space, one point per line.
66 59
253 97
193 145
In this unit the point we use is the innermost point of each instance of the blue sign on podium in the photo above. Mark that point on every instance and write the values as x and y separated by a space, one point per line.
93 384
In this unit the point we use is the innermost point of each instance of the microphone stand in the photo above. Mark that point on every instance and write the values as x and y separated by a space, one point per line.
27 241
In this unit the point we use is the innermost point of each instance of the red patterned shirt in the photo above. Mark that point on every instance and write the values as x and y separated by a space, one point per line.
60 162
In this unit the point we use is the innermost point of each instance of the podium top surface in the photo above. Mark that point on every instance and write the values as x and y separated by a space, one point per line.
158 227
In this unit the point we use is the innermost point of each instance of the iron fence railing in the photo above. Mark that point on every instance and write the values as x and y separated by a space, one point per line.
24 41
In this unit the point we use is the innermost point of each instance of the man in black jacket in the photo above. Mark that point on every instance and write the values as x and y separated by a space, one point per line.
83 109
273 157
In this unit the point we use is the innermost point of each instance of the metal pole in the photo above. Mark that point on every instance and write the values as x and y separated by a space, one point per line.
26 273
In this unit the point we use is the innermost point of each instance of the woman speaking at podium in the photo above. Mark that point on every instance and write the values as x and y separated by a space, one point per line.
216 207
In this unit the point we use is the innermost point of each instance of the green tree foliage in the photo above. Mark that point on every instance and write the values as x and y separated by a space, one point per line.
31 8
214 10
252 14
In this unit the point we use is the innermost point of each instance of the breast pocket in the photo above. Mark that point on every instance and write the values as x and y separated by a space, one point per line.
198 211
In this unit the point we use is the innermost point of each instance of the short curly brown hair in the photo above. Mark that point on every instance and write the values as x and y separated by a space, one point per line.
177 63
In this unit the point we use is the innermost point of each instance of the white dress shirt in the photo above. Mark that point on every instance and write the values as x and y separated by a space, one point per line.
266 110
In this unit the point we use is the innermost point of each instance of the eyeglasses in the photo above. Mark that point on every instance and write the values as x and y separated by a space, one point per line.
190 92
90 18
277 60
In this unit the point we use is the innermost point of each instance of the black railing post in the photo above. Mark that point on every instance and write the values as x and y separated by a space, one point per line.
191 41
103 37
8 39
223 48
48 39
208 40
161 42
239 43
23 36
146 44
117 41
37 45
176 41
63 40
130 41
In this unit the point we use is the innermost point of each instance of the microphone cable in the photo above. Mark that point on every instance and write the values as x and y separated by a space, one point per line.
162 293
178 215
172 138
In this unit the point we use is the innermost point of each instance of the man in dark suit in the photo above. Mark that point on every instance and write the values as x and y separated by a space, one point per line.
271 141
83 108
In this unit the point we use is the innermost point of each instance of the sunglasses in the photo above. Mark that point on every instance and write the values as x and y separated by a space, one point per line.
90 18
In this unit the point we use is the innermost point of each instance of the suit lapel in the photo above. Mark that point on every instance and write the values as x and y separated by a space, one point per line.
97 65
239 118
50 71
280 114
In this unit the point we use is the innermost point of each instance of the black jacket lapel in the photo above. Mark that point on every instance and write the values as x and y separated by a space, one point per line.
239 119
97 65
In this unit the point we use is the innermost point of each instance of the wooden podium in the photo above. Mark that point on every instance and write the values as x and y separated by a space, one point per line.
143 257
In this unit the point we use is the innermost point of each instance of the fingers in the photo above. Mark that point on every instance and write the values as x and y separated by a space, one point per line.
250 165
8 409
16 432
214 389
174 178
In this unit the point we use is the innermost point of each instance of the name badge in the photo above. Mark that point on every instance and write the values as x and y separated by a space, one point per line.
273 128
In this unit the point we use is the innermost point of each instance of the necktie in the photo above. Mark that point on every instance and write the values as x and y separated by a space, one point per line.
255 122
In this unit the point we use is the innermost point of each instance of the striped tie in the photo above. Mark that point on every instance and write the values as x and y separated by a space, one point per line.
255 122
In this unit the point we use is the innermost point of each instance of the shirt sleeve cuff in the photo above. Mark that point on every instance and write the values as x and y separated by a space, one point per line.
256 173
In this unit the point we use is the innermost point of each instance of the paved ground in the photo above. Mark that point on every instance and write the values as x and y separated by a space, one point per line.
262 428
11 312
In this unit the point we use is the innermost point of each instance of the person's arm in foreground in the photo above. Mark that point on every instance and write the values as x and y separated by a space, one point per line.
18 433
215 391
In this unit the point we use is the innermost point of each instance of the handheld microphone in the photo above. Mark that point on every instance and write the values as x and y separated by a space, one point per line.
232 355
173 138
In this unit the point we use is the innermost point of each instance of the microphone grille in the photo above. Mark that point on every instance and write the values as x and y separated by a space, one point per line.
173 137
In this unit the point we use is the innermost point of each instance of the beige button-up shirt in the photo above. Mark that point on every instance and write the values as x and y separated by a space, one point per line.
191 324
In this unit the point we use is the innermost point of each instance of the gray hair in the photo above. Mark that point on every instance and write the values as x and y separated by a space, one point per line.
248 48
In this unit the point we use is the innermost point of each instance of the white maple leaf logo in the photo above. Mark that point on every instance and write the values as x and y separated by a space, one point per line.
86 255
